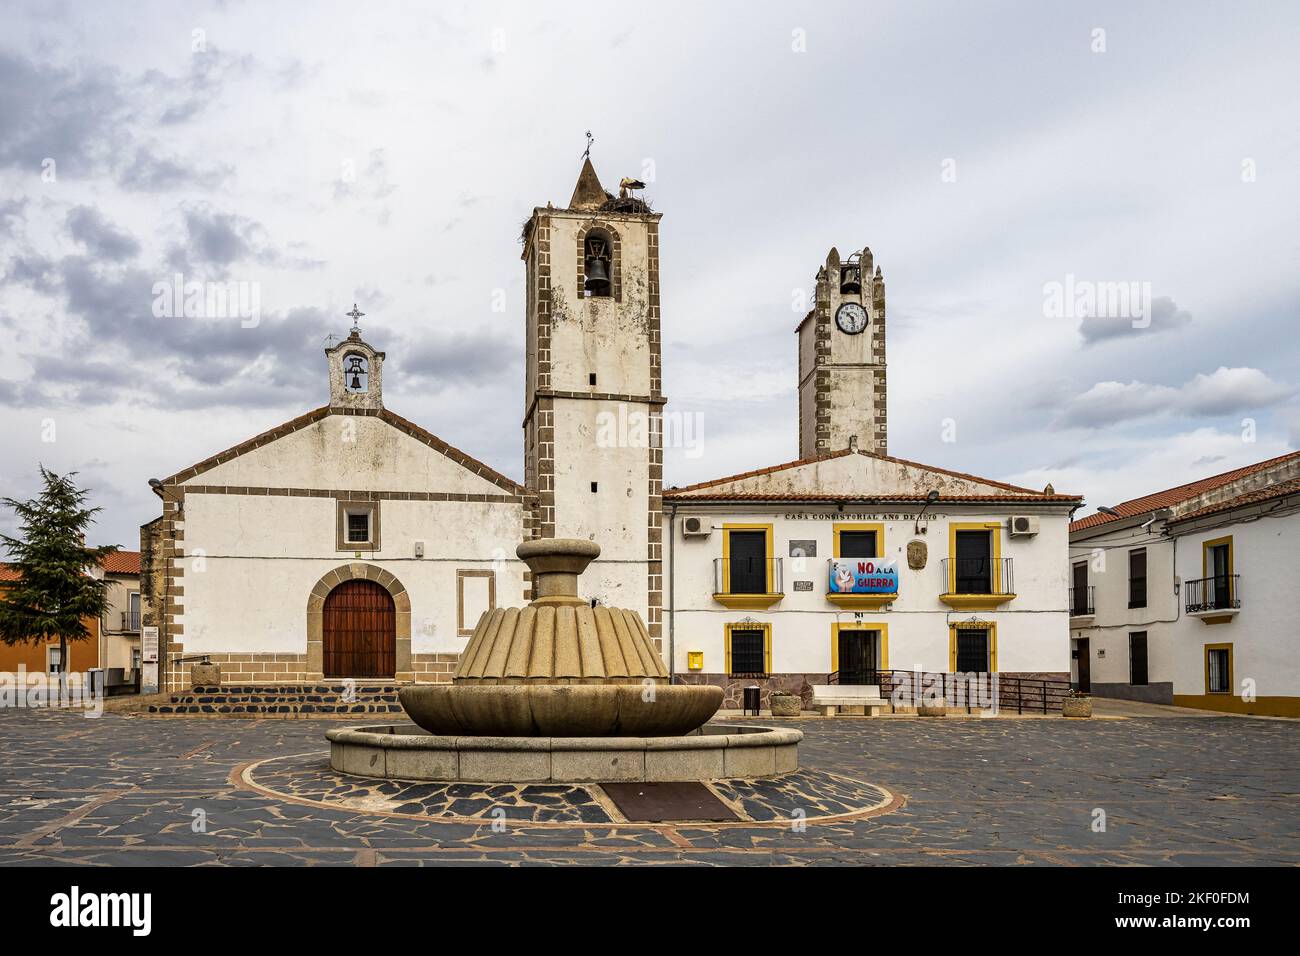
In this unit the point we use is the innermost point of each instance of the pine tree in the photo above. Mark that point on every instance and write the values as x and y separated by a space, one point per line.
54 595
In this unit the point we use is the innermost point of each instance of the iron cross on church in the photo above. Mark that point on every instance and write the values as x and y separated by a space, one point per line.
355 315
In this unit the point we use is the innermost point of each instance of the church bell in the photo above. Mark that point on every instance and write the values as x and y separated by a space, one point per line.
354 369
851 279
597 276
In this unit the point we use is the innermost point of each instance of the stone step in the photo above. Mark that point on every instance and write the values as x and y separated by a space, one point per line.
283 700
274 710
359 689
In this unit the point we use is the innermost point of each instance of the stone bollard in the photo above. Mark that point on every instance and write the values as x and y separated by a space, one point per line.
205 675
785 705
1076 707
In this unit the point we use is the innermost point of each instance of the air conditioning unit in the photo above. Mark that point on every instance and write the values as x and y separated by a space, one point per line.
1022 525
696 528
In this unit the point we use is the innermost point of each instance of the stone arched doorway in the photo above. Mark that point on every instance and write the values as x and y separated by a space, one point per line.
359 631
369 624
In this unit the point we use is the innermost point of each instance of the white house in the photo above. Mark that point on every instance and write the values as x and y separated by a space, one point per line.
854 563
350 542
1185 596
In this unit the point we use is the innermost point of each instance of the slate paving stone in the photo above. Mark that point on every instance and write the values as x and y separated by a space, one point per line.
1176 791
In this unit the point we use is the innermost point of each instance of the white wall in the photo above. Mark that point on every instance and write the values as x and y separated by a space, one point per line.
1107 555
1031 629
1266 555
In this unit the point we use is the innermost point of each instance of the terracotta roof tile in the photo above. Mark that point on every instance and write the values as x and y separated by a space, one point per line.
743 496
1280 490
1172 496
1015 489
122 562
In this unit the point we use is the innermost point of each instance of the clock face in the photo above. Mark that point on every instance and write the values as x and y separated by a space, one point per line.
851 318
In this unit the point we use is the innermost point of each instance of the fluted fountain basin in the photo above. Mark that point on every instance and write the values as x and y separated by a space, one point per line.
713 752
560 710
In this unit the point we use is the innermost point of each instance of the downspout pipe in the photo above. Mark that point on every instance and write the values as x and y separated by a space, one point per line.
672 617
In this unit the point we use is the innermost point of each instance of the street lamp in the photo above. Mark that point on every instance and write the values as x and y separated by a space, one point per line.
930 499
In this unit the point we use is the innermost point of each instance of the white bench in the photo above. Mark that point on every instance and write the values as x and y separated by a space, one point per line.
847 698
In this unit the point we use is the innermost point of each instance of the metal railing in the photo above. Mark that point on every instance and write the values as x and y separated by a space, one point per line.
131 621
972 691
978 576
1213 594
747 576
1081 601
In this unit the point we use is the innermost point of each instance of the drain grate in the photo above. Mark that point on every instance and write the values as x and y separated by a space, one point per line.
664 802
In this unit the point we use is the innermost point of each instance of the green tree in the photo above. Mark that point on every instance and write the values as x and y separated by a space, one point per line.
54 595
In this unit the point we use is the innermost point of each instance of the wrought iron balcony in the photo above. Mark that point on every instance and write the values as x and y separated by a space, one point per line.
130 621
977 583
1214 596
1081 602
747 582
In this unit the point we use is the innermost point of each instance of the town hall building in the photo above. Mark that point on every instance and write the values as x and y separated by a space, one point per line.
352 543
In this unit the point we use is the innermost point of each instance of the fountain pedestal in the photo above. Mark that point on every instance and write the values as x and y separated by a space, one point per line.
560 691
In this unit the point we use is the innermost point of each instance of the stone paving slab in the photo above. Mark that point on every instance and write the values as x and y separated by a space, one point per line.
123 790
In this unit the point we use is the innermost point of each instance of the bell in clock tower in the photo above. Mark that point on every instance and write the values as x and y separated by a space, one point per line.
842 360
593 404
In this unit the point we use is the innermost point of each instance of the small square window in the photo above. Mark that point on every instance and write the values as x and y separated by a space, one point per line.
358 527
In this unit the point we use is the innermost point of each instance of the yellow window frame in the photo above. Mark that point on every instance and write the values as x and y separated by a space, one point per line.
1232 684
765 627
767 551
1205 554
877 526
990 626
880 627
995 531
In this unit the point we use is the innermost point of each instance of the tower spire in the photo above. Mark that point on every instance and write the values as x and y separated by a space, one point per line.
588 193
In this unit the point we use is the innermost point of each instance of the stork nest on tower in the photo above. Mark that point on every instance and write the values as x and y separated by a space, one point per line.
633 204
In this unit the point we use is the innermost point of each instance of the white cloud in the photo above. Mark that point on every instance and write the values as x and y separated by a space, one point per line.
1226 391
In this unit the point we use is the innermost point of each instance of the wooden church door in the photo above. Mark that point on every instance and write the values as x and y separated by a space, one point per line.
360 631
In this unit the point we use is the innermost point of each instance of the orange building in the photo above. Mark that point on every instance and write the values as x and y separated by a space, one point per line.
43 657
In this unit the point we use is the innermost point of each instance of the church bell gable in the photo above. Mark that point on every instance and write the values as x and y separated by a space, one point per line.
356 373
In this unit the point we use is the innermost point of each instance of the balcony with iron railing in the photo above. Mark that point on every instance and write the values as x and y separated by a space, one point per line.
747 583
130 622
1215 599
977 584
1081 602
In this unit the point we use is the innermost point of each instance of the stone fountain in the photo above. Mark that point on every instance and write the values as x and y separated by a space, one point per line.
560 691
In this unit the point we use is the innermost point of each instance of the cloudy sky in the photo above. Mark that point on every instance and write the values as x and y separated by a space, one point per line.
388 154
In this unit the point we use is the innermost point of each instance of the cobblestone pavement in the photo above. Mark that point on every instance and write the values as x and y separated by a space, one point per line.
128 789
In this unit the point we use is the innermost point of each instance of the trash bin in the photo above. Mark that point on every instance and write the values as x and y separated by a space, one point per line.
95 681
753 698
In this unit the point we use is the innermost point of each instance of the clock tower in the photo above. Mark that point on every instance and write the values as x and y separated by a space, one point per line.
593 402
842 359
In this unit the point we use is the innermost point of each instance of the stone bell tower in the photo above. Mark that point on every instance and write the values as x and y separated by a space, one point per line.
356 371
842 359
593 404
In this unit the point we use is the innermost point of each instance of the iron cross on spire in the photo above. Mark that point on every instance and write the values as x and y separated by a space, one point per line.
590 139
355 315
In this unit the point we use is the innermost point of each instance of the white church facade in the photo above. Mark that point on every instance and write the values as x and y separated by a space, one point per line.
351 543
